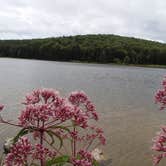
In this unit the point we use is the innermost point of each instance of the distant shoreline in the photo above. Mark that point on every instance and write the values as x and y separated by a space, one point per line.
86 62
130 65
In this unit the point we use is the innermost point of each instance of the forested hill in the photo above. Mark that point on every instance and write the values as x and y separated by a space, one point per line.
89 48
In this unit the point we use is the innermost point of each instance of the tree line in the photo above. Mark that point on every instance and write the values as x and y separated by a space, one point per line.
87 48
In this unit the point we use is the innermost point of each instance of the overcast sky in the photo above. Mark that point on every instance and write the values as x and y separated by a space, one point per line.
47 18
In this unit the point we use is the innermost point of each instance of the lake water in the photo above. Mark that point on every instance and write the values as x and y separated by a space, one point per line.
123 96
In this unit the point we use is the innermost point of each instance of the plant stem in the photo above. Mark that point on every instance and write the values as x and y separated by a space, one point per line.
89 144
1 160
6 122
74 143
41 142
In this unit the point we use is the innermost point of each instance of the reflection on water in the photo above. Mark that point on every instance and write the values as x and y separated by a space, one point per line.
123 95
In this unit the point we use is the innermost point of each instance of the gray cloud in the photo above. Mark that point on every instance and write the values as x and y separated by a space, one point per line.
46 18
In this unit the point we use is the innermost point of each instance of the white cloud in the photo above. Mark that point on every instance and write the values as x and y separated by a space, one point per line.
47 18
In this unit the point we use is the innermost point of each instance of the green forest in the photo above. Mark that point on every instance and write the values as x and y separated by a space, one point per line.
87 48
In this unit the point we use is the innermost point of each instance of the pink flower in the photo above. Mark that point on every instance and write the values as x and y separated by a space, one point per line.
156 159
159 145
160 96
44 105
32 98
49 94
33 114
78 97
102 139
85 154
90 106
84 158
80 118
81 162
19 153
23 151
63 112
96 134
74 135
84 109
42 153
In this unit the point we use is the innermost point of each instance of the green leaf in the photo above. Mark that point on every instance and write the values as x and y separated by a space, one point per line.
58 161
22 132
51 136
95 163
51 133
60 127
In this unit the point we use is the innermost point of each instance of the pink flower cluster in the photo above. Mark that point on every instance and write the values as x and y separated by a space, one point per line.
23 150
42 106
159 142
84 158
45 106
19 153
96 133
160 96
41 152
83 109
159 145
48 116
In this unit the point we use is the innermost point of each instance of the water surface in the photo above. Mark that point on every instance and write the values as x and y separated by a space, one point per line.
123 96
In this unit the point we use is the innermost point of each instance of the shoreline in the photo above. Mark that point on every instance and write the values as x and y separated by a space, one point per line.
86 62
117 64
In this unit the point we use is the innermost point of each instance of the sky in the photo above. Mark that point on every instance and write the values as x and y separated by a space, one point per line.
26 19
